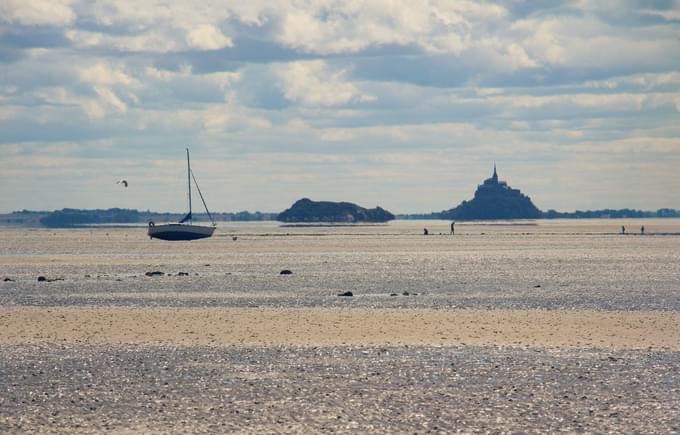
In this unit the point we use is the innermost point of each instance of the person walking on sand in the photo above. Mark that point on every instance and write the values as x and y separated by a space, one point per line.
453 230
623 229
642 229
425 232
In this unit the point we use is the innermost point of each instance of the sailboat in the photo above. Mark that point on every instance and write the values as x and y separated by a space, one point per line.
184 229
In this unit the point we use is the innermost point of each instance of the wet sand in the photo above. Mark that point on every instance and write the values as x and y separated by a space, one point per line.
340 327
197 389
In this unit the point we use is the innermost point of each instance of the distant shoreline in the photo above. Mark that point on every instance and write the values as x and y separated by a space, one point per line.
77 218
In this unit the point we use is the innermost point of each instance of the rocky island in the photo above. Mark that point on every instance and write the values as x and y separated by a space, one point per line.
306 210
494 199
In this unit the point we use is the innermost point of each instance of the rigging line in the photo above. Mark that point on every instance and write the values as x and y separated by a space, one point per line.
189 184
201 195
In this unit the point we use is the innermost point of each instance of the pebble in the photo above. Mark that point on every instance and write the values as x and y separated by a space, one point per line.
154 273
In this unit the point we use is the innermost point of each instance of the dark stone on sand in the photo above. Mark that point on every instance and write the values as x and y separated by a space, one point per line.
537 286
393 294
406 293
154 273
183 274
8 280
41 279
285 272
346 294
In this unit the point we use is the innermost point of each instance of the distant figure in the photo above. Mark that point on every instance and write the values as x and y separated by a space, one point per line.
453 230
623 229
123 182
425 232
642 229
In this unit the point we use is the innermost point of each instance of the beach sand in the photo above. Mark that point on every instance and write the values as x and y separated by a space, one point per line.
268 370
340 327
554 327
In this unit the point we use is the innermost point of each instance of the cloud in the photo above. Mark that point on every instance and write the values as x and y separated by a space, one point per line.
159 42
313 83
207 37
111 99
349 27
37 12
278 97
103 73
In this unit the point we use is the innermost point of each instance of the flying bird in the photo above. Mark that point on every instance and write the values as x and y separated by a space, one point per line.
123 182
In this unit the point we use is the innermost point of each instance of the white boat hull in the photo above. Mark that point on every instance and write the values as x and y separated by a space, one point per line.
179 231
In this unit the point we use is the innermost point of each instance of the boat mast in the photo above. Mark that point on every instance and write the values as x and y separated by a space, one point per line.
189 178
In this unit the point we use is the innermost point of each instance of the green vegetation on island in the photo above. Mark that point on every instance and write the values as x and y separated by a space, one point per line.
306 210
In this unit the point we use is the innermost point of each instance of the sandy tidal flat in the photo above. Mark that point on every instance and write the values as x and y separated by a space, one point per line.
540 326
340 327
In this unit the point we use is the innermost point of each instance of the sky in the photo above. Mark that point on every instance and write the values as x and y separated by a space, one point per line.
405 104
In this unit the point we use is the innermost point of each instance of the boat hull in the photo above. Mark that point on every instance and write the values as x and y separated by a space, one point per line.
179 232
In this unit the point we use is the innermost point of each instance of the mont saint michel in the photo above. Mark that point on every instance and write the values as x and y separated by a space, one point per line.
494 199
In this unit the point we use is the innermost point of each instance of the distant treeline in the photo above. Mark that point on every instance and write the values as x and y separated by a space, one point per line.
71 217
612 214
578 214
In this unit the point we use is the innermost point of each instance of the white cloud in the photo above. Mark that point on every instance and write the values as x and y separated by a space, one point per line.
336 135
104 73
37 12
111 99
154 41
519 57
219 119
376 88
347 27
312 83
207 37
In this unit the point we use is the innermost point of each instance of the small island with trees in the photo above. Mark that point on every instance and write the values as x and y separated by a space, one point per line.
306 210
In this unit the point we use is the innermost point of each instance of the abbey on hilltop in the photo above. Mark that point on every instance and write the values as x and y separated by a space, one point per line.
494 199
